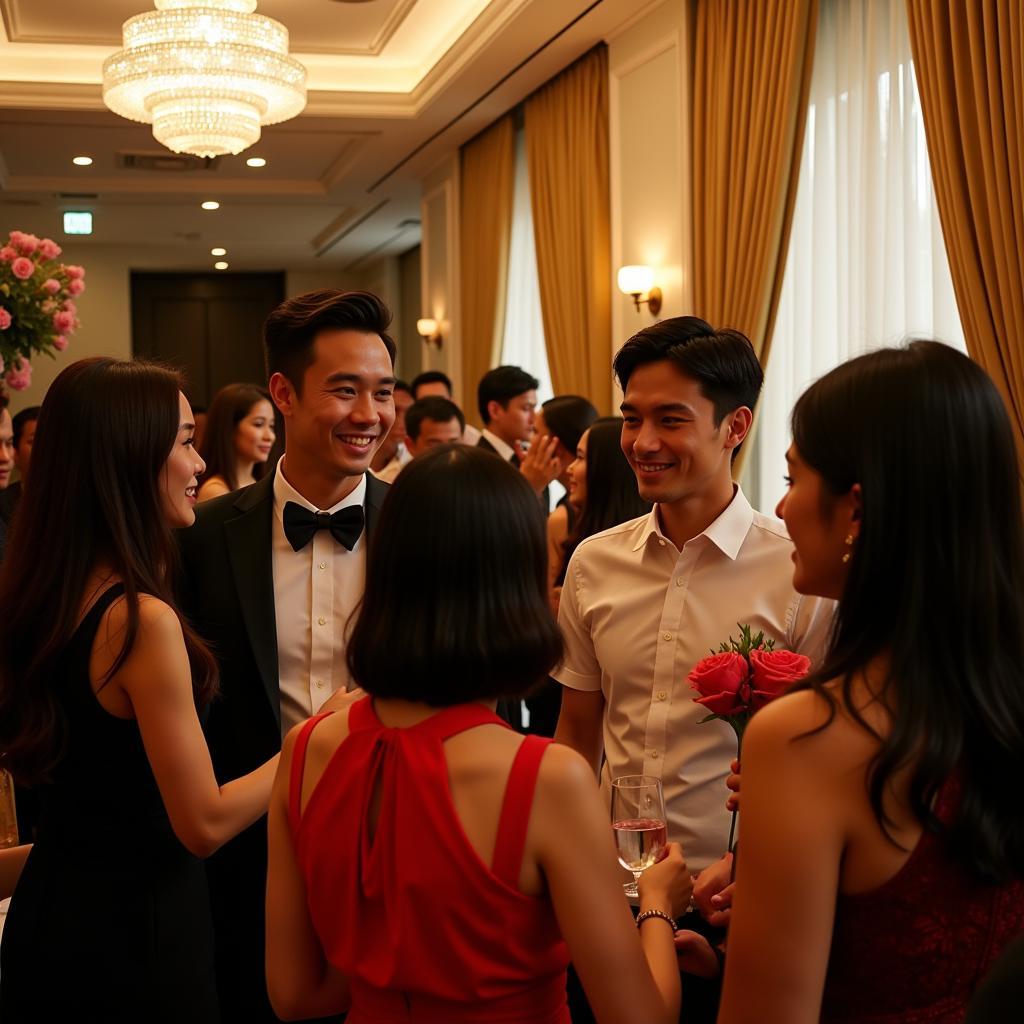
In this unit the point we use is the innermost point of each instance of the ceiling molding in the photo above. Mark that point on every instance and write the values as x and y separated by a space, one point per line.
153 183
343 225
343 163
390 25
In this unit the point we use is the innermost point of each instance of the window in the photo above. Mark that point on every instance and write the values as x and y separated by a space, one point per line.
866 266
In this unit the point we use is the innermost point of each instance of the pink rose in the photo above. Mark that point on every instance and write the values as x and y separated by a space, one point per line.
25 244
52 285
8 253
64 321
60 342
19 376
5 319
74 272
774 672
23 268
69 306
49 249
721 681
76 286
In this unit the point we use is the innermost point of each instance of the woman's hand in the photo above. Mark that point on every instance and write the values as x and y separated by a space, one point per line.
712 892
541 464
667 885
695 955
733 782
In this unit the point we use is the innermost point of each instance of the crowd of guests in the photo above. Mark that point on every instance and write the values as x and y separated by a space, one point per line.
310 673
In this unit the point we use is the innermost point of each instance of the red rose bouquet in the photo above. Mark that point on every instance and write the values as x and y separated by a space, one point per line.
741 677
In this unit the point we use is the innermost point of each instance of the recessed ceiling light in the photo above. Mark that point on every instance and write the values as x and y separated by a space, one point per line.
218 251
211 204
220 265
82 161
256 161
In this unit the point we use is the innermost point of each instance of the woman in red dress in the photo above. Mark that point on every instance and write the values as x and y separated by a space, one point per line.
883 830
427 863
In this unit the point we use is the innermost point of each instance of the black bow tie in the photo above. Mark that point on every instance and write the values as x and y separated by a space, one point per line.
300 524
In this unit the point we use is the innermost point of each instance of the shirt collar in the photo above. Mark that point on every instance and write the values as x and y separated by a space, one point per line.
505 450
284 492
727 532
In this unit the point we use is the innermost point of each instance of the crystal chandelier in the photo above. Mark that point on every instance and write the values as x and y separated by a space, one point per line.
206 74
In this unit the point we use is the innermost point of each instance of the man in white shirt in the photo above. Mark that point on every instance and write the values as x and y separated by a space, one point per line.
644 601
272 574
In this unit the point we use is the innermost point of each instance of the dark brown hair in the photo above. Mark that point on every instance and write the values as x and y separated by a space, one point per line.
229 407
290 331
458 570
105 431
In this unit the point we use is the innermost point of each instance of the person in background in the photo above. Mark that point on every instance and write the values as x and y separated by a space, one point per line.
239 439
6 464
602 491
392 454
426 862
565 418
100 680
882 864
23 430
434 383
199 414
431 422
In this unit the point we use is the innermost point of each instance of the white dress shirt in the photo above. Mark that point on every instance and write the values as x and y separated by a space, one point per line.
637 614
315 591
503 448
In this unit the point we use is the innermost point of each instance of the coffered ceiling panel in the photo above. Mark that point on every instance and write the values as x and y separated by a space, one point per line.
321 26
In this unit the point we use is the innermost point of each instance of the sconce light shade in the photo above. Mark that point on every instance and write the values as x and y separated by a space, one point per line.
635 279
638 280
429 329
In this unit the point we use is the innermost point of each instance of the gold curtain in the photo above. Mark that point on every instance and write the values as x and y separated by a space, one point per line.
752 76
567 155
969 59
487 177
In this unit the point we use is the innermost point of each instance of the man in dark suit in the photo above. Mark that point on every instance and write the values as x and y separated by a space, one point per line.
272 573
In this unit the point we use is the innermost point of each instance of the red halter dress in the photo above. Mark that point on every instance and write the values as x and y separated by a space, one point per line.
424 930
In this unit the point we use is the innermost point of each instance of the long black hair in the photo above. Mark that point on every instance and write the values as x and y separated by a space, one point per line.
611 495
105 431
936 584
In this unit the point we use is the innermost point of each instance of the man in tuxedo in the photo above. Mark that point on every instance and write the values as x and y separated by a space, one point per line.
272 573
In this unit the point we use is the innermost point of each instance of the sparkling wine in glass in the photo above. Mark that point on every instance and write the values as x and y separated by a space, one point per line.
638 822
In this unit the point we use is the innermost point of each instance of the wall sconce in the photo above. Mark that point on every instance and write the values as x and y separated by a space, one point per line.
429 330
637 281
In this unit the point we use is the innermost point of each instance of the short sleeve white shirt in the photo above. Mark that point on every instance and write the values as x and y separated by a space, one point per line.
637 614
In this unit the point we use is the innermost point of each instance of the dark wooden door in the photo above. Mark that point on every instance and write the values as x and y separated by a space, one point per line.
209 326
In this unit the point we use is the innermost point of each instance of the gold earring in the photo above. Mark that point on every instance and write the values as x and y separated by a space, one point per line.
849 544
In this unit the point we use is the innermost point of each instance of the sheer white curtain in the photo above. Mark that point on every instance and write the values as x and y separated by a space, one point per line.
866 264
523 341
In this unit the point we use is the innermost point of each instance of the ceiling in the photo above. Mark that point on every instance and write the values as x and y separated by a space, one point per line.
395 86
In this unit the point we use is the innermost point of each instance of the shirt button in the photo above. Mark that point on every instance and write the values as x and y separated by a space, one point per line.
654 755
662 695
323 565
321 621
666 636
319 684
680 581
661 542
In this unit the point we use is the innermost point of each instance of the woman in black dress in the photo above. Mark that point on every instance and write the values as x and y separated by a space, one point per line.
100 680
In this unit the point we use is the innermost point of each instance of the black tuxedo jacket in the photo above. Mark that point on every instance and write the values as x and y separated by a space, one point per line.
227 594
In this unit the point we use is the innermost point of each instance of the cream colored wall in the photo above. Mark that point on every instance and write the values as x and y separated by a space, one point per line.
104 309
650 163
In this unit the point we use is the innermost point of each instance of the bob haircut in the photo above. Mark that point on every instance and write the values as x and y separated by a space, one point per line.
105 432
229 407
568 417
455 607
935 584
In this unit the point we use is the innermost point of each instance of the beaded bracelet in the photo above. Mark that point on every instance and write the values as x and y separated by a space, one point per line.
644 915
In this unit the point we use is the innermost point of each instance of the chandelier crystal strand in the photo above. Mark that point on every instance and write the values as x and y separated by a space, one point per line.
207 74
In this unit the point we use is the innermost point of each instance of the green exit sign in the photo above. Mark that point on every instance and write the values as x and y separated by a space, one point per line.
77 222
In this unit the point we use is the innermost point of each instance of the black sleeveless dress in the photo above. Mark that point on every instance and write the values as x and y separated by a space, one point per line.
110 920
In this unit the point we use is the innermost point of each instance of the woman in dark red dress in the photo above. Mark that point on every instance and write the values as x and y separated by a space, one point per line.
882 824
426 861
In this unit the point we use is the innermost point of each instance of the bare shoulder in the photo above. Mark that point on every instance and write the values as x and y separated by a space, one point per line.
558 520
157 619
213 488
564 774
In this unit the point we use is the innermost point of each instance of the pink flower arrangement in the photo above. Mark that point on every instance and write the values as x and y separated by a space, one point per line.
37 313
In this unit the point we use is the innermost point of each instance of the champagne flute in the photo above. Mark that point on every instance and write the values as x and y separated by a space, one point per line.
638 821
